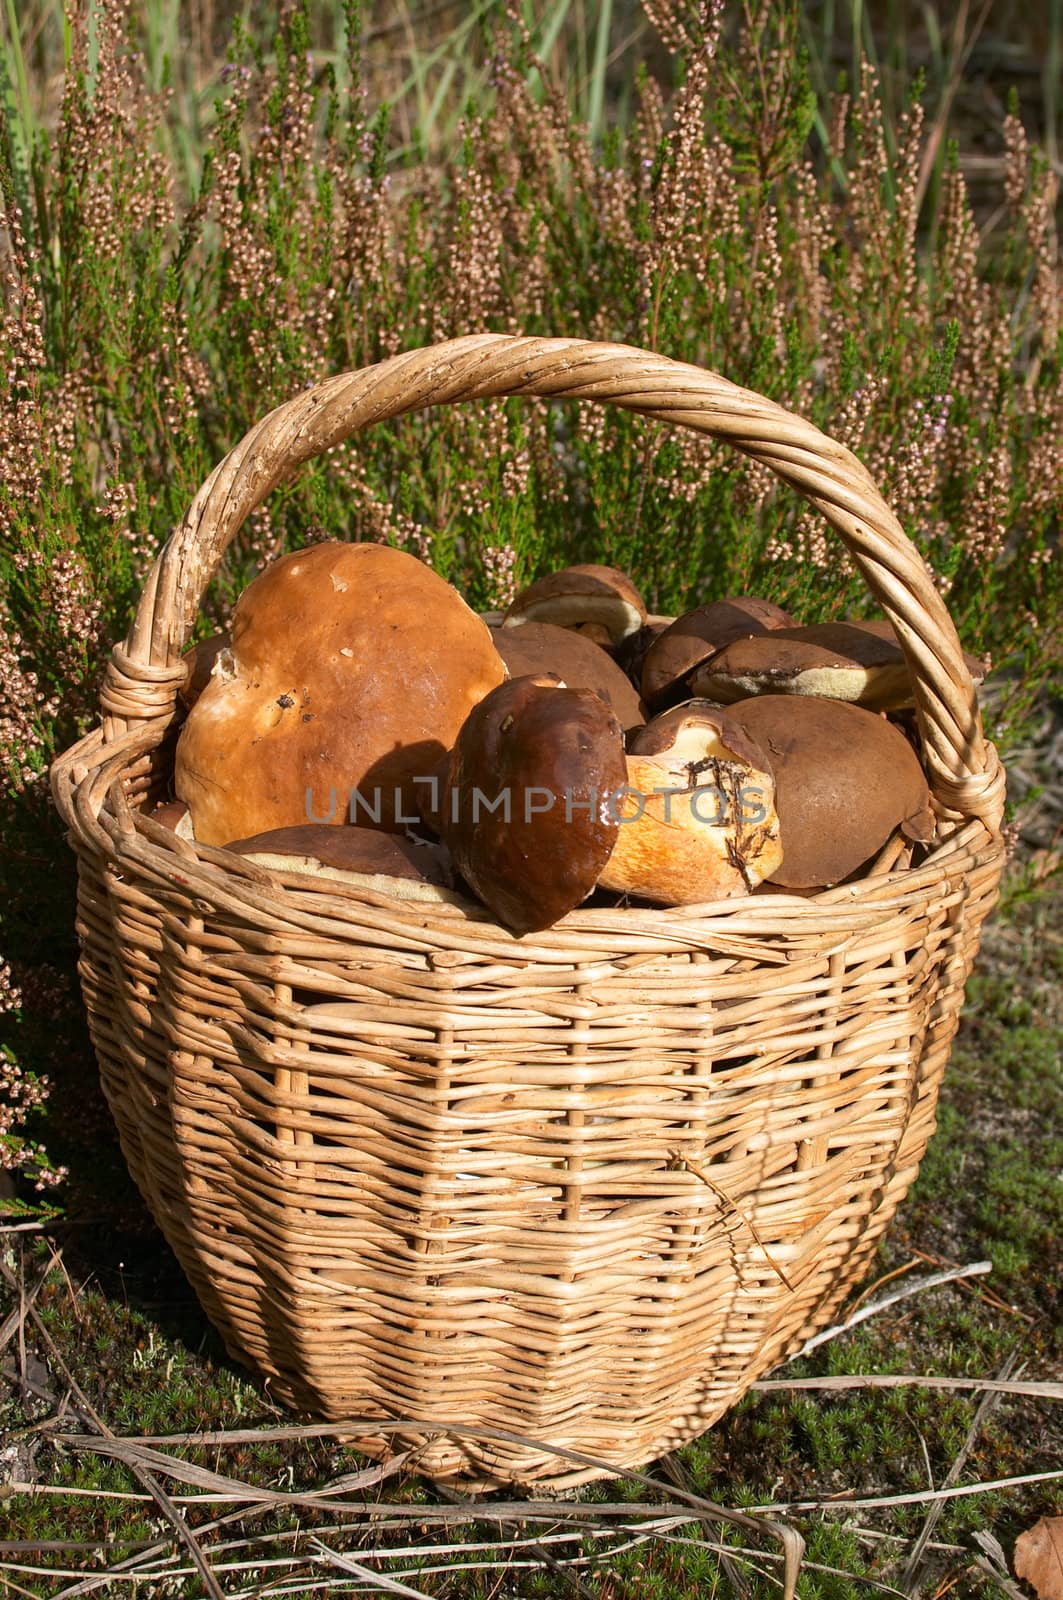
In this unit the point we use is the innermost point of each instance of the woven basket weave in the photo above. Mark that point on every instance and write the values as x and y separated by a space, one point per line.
585 1186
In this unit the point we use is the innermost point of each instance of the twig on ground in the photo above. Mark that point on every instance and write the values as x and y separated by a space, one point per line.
152 1460
899 1380
920 1497
920 1287
902 1538
379 1579
994 1563
914 1571
15 1320
880 1283
978 1290
985 1566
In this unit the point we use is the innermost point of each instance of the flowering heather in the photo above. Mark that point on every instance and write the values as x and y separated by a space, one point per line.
145 325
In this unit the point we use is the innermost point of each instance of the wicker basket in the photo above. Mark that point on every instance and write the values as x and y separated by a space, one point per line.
584 1186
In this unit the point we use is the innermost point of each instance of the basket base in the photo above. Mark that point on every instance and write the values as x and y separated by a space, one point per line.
478 1457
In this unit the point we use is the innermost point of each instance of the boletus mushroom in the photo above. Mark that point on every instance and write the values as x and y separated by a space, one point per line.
527 811
352 667
698 818
600 600
631 654
845 779
175 815
858 661
543 647
384 862
199 666
696 636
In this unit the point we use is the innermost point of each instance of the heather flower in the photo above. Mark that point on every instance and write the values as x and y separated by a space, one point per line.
500 567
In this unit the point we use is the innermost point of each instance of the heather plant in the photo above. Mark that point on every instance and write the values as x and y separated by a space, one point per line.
155 307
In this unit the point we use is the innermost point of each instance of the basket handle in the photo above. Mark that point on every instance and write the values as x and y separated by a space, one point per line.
965 773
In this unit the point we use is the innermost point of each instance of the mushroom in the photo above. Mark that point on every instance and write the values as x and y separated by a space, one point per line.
351 670
384 862
527 814
199 666
699 634
858 661
631 653
845 779
587 597
175 815
698 819
542 647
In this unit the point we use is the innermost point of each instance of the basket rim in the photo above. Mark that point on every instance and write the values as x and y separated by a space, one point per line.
107 824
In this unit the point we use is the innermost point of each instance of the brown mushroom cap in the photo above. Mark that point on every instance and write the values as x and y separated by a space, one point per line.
845 778
838 660
542 647
632 652
581 595
858 661
528 820
699 634
700 823
199 663
352 668
384 862
695 734
175 815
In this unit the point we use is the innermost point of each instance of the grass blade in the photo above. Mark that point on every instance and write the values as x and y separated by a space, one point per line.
596 103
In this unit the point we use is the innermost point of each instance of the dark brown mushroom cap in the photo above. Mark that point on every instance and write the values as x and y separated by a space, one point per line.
199 662
538 647
858 661
845 779
529 822
385 862
631 653
699 634
579 595
697 733
840 660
